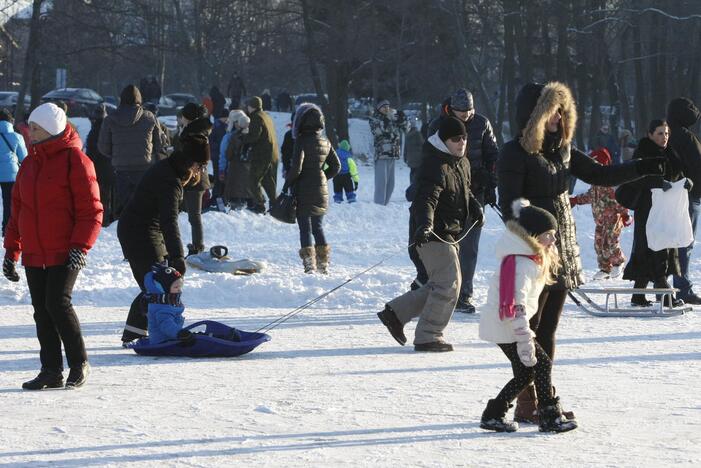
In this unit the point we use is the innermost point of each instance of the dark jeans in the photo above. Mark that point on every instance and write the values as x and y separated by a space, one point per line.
311 226
523 376
126 183
6 203
56 321
137 320
683 283
545 321
193 207
469 248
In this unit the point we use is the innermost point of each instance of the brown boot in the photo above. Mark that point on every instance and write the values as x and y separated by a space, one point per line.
322 255
308 259
526 406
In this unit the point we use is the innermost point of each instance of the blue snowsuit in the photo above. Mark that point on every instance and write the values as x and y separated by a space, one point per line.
165 312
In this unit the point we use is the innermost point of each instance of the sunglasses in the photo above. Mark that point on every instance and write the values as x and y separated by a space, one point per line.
458 139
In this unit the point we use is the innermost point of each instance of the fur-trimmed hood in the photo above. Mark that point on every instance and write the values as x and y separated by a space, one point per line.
553 96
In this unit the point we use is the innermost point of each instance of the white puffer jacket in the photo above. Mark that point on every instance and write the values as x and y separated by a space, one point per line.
528 284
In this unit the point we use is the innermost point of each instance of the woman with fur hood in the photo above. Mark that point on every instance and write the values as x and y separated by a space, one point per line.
536 165
528 262
309 183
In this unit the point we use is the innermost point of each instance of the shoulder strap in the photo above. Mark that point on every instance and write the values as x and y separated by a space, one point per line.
7 143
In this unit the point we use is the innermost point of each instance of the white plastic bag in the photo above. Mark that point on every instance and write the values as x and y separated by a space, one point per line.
669 224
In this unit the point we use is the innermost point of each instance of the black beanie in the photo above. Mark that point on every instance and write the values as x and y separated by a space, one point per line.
451 127
526 101
165 276
196 148
130 96
192 111
534 220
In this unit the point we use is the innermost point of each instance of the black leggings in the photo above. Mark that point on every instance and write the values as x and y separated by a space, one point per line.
523 376
545 321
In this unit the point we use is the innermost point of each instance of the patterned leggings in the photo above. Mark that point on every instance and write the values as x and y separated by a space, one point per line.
608 246
523 376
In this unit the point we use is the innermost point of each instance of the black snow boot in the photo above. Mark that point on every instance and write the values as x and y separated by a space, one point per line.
194 249
78 375
669 299
494 417
47 378
395 327
551 418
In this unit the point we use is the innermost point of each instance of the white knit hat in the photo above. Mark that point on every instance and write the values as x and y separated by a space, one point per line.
239 117
50 117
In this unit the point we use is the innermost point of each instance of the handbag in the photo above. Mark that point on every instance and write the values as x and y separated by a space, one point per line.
285 208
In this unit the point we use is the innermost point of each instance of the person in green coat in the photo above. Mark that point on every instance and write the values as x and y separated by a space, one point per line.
263 155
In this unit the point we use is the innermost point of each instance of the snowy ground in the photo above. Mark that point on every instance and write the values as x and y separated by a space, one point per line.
332 388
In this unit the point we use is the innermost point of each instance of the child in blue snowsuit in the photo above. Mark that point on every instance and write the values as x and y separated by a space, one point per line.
347 179
164 286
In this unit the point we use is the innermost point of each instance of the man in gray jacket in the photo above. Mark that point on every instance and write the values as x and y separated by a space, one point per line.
131 138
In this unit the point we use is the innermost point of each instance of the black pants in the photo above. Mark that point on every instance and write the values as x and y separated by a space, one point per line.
545 321
193 206
137 320
311 226
107 199
6 203
56 321
343 183
523 376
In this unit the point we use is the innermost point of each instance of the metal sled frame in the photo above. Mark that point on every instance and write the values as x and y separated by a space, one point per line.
592 308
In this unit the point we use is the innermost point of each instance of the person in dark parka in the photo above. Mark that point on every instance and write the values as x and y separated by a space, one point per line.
263 154
440 212
103 166
682 114
218 101
148 229
309 183
536 165
646 265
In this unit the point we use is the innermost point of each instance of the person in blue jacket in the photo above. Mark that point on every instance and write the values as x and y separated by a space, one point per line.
164 286
347 179
12 153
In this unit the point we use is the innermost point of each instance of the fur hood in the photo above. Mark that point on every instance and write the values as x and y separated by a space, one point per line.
516 241
553 96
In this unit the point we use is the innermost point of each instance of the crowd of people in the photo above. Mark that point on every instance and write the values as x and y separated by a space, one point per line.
56 198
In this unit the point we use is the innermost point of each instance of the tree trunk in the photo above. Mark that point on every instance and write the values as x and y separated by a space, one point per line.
30 59
640 85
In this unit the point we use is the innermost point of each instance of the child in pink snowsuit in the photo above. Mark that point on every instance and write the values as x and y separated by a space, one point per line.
610 218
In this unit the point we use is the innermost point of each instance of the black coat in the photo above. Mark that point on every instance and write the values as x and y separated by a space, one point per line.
543 178
443 195
103 165
149 223
307 176
482 150
645 264
287 151
681 115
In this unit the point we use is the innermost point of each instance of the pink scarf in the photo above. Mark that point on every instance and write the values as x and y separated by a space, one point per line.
507 286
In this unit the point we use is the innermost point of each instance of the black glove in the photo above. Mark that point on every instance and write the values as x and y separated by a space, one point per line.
401 117
650 166
422 235
490 196
178 263
76 259
688 185
476 212
666 185
9 270
186 337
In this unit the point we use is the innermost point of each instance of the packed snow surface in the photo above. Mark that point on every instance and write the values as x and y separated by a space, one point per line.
332 388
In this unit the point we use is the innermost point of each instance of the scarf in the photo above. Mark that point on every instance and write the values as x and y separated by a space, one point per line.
507 284
172 299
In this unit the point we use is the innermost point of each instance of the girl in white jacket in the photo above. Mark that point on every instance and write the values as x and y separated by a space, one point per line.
529 261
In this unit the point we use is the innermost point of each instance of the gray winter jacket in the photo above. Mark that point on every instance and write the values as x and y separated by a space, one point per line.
131 138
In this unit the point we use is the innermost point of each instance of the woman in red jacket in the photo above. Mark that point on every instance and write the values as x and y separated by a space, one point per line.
56 217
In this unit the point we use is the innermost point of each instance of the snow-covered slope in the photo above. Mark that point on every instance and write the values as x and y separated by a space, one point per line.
332 388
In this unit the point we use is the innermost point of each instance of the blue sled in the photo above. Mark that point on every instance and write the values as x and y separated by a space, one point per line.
207 342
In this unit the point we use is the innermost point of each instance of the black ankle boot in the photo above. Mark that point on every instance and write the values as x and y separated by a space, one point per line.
494 417
638 300
550 417
47 378
78 375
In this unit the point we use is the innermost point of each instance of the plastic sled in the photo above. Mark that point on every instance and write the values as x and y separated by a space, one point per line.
208 342
217 261
614 310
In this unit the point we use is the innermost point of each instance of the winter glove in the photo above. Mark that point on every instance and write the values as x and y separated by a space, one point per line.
525 346
422 235
476 212
178 263
666 185
490 196
9 270
186 338
76 259
626 219
526 352
688 185
573 202
650 166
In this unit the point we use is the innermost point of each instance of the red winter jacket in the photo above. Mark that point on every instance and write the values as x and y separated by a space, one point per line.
55 203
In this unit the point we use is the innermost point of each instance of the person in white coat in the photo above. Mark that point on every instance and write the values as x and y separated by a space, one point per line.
529 261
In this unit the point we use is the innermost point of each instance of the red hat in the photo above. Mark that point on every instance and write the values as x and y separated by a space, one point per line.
602 155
